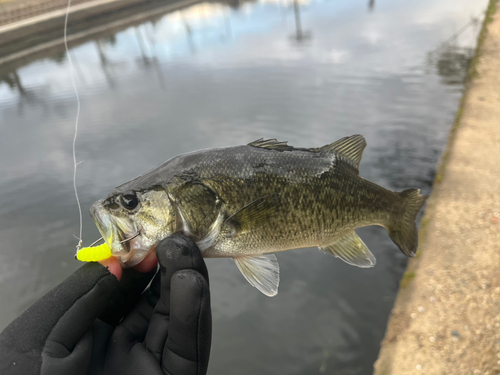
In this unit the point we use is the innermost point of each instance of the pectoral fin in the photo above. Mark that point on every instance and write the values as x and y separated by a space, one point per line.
262 272
254 215
352 250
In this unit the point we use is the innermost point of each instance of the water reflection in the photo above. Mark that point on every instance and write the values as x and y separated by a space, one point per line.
77 68
451 58
213 75
26 96
453 64
14 82
105 65
300 36
146 61
371 5
189 35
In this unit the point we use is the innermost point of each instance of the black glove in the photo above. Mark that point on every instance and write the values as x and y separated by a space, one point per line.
93 324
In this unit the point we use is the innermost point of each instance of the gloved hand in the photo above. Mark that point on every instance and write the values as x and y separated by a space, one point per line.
93 324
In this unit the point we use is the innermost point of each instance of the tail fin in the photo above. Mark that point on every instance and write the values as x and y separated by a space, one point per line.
403 229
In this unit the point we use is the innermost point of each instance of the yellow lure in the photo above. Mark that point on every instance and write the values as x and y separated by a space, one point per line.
94 254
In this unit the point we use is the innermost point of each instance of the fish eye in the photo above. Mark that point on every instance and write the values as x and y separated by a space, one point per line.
129 201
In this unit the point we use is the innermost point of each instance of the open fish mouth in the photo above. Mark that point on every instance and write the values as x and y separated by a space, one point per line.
123 236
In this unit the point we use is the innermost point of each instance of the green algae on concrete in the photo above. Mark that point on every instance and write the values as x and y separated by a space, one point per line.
407 278
446 319
488 18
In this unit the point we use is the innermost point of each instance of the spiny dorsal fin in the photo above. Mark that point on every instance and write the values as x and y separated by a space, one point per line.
349 149
271 144
352 250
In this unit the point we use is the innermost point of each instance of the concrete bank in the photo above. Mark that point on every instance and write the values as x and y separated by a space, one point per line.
446 319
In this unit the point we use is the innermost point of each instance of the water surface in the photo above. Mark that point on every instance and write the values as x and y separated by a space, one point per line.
214 75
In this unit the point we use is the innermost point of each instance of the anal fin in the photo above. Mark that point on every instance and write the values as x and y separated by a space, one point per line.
352 250
262 272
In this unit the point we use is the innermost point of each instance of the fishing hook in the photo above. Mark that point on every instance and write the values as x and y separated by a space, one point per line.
131 238
96 241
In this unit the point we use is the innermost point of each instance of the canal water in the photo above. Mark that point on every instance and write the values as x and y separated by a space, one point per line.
213 75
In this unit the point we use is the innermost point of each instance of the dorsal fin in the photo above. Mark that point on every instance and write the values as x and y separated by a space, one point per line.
349 149
271 144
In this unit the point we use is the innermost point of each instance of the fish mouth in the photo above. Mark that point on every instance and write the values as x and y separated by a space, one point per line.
123 236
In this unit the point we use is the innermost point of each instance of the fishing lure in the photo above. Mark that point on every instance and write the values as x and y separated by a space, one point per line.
94 253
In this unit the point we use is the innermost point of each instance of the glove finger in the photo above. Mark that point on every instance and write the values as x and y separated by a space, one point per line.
135 325
74 305
174 253
126 352
187 349
132 284
133 328
74 363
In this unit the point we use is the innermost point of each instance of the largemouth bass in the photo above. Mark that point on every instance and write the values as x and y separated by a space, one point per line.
247 202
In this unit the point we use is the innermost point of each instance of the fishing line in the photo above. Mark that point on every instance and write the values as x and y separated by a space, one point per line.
75 164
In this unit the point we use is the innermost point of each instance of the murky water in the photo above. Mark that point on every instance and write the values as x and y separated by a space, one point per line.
213 75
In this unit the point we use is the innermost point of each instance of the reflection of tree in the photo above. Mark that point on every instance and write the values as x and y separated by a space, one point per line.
452 63
146 61
227 23
234 4
155 20
300 35
14 82
76 64
110 39
59 56
451 60
104 63
298 24
189 35
371 5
